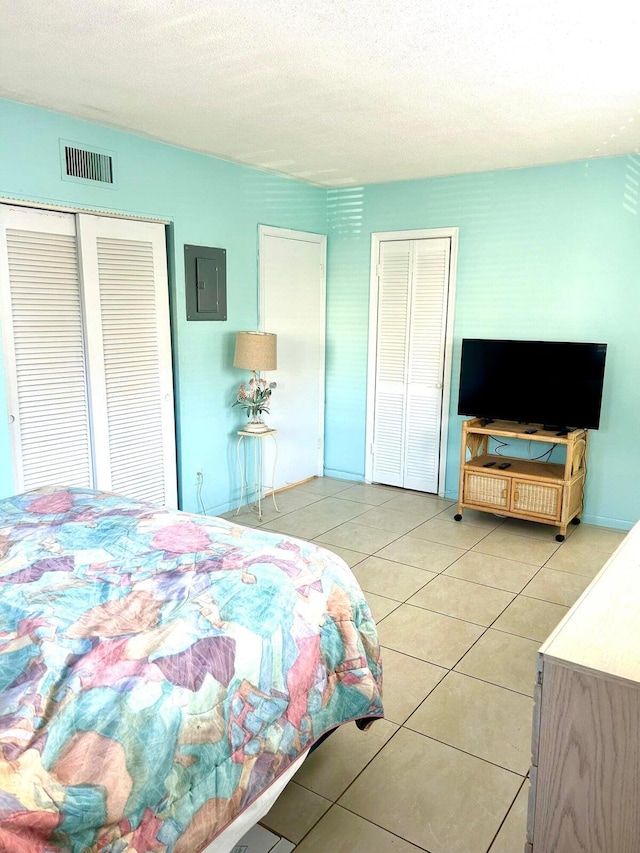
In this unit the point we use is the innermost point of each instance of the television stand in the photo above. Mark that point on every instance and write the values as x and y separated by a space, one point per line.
530 489
559 430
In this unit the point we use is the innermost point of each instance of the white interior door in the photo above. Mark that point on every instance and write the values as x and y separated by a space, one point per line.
292 304
408 365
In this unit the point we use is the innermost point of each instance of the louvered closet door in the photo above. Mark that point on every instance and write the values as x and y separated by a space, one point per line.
425 363
129 353
86 349
44 353
413 280
391 364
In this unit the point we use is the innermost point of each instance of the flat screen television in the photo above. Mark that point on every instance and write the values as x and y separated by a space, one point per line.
556 384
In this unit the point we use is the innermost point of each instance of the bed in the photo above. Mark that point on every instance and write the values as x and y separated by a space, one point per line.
162 673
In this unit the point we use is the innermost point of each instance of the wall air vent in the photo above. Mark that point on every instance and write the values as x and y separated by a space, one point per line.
87 165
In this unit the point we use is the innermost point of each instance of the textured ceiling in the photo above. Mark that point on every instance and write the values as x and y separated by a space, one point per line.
340 92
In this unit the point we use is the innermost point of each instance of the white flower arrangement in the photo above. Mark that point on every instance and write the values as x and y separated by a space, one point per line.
256 398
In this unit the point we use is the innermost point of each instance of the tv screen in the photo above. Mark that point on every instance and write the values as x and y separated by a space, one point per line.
556 384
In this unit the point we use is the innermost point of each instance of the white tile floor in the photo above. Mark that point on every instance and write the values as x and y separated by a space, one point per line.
461 610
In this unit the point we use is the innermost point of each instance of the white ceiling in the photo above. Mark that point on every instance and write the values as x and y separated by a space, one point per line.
340 92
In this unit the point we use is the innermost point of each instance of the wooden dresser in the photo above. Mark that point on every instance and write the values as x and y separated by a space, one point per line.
585 774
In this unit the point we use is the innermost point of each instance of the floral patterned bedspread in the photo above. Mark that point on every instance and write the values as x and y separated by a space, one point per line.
158 670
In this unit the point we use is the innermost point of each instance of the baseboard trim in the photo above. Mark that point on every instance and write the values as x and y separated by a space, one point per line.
344 475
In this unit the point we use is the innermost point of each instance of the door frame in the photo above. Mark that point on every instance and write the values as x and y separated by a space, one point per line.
321 240
416 234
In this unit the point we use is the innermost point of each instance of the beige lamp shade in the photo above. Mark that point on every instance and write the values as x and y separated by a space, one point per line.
256 351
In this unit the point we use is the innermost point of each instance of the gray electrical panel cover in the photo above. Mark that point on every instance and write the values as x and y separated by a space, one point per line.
205 273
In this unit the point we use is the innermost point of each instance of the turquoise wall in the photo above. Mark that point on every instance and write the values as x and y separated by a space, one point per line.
549 252
209 202
544 253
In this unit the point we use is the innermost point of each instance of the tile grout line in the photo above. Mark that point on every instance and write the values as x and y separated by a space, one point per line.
523 776
366 820
504 820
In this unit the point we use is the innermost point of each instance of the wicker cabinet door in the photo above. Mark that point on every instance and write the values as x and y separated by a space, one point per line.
486 489
537 498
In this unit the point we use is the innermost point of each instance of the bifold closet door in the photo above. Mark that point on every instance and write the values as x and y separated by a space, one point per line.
124 275
87 353
412 301
44 349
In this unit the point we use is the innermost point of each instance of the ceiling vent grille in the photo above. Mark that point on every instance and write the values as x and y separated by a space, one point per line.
87 165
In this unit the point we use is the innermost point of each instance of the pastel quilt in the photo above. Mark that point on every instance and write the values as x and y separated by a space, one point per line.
158 670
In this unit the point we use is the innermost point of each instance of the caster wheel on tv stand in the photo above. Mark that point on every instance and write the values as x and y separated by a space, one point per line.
559 538
457 517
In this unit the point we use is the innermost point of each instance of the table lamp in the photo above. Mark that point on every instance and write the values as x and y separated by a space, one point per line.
255 351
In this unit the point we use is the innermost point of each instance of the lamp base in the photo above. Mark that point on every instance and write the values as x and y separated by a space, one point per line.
256 426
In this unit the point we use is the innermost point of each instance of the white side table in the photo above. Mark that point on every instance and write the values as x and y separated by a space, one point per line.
257 468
